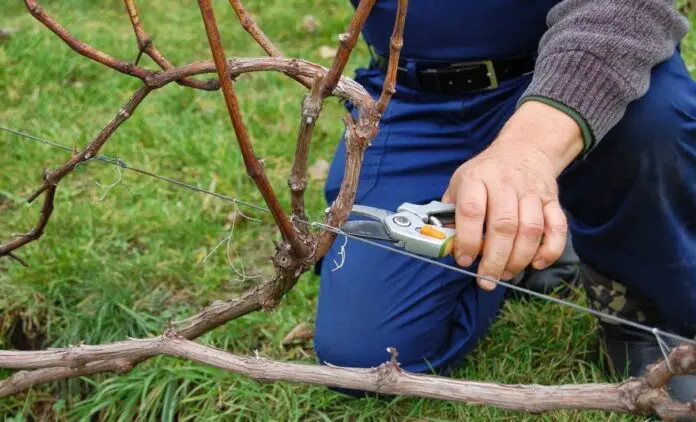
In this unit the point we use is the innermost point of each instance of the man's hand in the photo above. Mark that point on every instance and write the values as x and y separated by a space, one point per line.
510 191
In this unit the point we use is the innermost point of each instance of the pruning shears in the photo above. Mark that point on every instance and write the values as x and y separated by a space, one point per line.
419 229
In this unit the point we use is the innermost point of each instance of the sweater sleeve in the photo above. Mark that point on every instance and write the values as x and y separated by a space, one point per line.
597 55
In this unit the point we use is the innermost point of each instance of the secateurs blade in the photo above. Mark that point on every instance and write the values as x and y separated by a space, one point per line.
419 229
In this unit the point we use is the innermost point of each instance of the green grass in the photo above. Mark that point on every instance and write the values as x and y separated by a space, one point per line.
124 265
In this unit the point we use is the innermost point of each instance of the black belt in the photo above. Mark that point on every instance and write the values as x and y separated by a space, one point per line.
460 77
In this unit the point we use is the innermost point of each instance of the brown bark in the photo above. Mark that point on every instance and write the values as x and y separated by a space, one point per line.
53 177
253 166
147 46
638 396
357 137
634 396
294 68
395 44
82 48
311 107
346 42
92 149
46 211
682 361
250 26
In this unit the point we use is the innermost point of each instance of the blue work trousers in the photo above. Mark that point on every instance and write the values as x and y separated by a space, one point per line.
632 206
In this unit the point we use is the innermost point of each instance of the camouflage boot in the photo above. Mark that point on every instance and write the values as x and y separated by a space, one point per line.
629 350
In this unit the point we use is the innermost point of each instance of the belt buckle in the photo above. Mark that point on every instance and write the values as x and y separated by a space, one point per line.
490 71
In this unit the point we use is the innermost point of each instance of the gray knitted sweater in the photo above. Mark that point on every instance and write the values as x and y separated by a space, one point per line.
597 55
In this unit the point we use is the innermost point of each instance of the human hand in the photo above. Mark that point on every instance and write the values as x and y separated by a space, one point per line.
510 190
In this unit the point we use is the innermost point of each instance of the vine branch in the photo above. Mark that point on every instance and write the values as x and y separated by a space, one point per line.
147 46
294 68
395 44
357 135
635 396
346 42
46 211
253 29
95 145
52 178
288 266
82 48
301 249
253 166
250 26
360 133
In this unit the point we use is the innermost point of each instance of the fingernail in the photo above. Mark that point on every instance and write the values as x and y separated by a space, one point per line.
465 260
507 275
540 264
486 284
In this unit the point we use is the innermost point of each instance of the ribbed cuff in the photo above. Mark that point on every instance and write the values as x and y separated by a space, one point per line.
585 85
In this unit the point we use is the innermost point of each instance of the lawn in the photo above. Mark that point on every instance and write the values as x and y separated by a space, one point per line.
122 261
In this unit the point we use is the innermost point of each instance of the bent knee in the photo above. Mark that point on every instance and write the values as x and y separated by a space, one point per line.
378 300
366 345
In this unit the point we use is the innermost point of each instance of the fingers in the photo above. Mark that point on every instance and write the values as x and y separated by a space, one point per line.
529 234
555 236
470 213
518 230
501 230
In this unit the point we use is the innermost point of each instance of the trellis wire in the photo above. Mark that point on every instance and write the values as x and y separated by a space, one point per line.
120 163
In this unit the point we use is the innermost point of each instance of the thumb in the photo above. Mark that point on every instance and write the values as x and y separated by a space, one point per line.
447 198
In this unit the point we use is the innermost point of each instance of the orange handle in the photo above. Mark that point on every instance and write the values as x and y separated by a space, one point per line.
432 231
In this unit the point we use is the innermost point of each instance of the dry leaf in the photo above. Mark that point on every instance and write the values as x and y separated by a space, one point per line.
326 52
232 218
4 201
301 332
319 170
6 33
135 244
310 24
211 188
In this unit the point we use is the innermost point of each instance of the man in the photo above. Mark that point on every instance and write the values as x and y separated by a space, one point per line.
512 110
